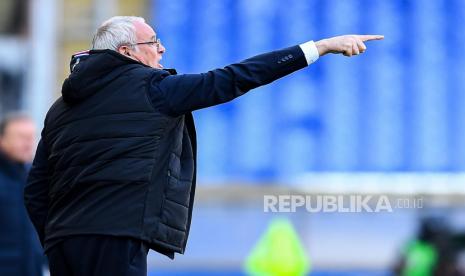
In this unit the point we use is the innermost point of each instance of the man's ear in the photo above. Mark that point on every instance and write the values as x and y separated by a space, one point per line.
124 50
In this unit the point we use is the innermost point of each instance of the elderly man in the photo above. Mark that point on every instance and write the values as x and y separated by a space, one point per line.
20 252
115 169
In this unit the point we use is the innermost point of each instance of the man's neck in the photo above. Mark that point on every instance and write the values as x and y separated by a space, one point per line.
5 158
11 167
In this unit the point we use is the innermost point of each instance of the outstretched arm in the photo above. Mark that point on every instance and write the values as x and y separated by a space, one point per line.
188 92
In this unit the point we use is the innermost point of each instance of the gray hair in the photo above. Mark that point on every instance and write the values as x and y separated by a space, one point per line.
115 32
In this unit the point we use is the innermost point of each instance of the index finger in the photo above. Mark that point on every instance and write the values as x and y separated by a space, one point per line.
370 37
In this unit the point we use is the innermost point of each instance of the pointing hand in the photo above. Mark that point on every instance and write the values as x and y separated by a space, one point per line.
348 45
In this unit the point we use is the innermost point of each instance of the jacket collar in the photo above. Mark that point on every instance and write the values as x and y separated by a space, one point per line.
83 55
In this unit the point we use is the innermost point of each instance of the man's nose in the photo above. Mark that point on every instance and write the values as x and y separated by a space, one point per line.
161 49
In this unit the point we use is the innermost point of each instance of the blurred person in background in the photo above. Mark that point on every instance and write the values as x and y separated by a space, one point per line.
434 252
115 169
20 252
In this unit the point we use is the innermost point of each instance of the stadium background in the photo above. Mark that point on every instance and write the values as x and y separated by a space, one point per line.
387 122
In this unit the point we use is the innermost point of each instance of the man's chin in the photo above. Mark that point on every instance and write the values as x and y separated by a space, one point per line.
156 66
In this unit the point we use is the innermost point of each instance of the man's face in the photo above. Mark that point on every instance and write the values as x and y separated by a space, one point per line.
18 140
147 54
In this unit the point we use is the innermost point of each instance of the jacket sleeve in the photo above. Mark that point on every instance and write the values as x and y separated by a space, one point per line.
188 92
36 190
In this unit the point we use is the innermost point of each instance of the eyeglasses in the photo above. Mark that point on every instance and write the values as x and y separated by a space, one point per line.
157 43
